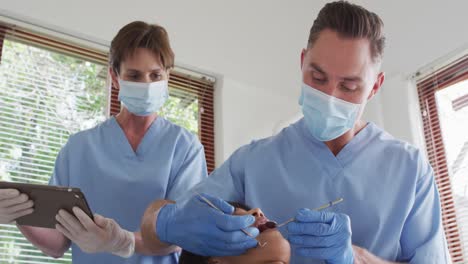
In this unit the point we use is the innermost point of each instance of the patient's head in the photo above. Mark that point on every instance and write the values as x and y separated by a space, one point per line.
276 249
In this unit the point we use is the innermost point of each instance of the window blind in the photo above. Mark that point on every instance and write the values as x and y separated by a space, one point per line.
49 89
454 212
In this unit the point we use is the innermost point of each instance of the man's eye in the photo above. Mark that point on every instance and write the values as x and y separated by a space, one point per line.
318 77
347 89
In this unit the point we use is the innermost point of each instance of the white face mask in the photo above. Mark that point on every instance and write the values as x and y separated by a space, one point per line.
326 117
143 99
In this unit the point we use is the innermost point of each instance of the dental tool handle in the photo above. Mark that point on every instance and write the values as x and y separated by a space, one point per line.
285 223
332 203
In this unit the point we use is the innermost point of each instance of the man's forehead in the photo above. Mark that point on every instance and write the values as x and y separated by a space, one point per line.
332 47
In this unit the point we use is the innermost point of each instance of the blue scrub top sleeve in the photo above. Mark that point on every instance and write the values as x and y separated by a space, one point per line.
423 238
227 181
61 168
192 171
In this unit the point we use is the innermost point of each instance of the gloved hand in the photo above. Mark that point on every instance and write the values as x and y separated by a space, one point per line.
102 235
322 235
13 205
198 228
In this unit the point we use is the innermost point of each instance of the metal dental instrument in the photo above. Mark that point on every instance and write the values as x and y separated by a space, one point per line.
214 206
332 203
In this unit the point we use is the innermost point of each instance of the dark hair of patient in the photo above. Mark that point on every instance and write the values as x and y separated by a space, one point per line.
189 258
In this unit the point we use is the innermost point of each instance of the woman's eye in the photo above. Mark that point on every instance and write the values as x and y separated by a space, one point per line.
156 76
255 214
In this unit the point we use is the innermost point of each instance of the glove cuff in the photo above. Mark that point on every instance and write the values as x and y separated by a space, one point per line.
128 247
154 224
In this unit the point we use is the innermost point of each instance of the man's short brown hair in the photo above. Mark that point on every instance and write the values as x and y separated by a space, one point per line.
350 21
140 34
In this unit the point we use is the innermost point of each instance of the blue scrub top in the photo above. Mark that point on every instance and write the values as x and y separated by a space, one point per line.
387 185
120 183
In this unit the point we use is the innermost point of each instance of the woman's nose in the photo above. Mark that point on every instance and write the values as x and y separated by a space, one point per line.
257 212
147 79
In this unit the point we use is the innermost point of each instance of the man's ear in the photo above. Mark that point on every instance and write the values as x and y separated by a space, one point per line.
114 78
378 83
303 53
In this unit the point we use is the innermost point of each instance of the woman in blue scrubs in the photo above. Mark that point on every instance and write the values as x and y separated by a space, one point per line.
126 162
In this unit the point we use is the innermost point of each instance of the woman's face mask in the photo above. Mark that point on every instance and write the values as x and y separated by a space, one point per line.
143 99
142 82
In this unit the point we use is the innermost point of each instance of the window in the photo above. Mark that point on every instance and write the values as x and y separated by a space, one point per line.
50 89
443 100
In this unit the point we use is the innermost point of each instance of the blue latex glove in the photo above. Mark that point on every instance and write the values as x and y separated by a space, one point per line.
322 235
200 229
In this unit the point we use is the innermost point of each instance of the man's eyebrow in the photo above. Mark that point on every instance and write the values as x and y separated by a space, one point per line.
317 68
353 79
348 78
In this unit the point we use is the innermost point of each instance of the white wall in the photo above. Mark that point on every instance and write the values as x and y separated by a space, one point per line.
243 111
400 109
253 48
248 113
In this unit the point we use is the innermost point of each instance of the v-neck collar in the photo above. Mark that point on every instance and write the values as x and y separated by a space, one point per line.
124 145
356 144
334 164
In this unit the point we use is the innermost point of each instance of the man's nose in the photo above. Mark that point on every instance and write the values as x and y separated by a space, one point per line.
331 88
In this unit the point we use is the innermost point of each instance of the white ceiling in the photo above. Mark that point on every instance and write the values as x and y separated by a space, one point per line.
259 42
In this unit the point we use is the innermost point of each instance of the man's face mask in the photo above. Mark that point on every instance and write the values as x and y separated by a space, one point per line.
326 117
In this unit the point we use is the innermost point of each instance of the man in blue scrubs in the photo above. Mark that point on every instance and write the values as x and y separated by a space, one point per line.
391 210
